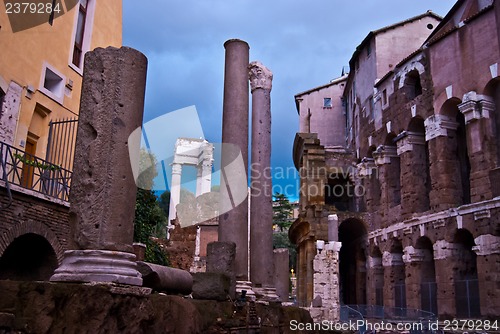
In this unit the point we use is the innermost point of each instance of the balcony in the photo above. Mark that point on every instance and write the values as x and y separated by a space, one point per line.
32 173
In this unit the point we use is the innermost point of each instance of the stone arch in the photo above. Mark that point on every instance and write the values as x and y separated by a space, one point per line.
32 227
30 257
352 261
492 90
425 270
418 163
456 155
377 276
395 276
465 275
369 153
416 68
413 84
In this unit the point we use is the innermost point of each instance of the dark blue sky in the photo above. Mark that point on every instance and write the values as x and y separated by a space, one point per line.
304 43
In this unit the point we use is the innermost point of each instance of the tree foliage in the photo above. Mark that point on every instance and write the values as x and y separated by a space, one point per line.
164 202
282 212
150 220
283 219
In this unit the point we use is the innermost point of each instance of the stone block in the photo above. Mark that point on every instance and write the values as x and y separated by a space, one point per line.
221 259
210 286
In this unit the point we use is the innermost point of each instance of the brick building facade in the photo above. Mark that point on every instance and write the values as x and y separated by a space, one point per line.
420 229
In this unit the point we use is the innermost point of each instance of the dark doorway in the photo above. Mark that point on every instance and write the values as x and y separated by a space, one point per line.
352 266
29 257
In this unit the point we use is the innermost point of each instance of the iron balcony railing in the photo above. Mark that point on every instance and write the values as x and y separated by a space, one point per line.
30 172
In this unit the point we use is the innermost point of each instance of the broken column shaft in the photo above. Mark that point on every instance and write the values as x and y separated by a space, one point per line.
103 188
233 224
261 208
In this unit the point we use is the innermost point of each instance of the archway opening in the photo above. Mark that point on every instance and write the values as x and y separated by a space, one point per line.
458 149
428 286
493 90
393 174
465 276
29 257
413 84
420 165
352 262
398 277
378 276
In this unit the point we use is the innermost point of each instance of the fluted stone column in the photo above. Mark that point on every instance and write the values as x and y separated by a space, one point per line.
103 188
175 191
261 206
233 224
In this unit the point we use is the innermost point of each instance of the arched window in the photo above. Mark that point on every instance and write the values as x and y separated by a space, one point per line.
465 276
413 84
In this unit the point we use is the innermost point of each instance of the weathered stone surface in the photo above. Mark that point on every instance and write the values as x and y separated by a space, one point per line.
103 188
213 286
233 225
70 308
98 266
281 274
161 278
261 206
221 259
43 308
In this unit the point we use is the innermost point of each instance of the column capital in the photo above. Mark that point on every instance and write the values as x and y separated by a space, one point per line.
259 76
438 126
384 153
444 249
366 167
392 259
406 140
374 262
487 244
412 254
176 168
476 106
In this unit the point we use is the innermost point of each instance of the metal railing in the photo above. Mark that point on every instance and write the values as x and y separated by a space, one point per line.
30 172
376 313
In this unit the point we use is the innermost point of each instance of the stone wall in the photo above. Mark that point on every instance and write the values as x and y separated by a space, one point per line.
36 307
30 213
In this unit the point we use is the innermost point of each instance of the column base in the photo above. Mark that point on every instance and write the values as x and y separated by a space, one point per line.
98 266
267 294
245 285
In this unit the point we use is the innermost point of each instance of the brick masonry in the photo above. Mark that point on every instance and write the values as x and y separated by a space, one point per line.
31 214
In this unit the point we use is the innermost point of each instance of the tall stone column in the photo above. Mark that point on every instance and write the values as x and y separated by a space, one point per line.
394 276
103 188
488 272
261 206
388 165
175 191
233 224
414 173
480 143
444 259
440 133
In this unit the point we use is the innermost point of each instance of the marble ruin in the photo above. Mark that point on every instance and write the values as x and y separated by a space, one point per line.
192 152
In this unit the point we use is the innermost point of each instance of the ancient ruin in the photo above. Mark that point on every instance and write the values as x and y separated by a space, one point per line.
233 224
261 211
404 150
191 152
103 188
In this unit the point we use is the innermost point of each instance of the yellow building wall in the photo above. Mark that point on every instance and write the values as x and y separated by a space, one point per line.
23 54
